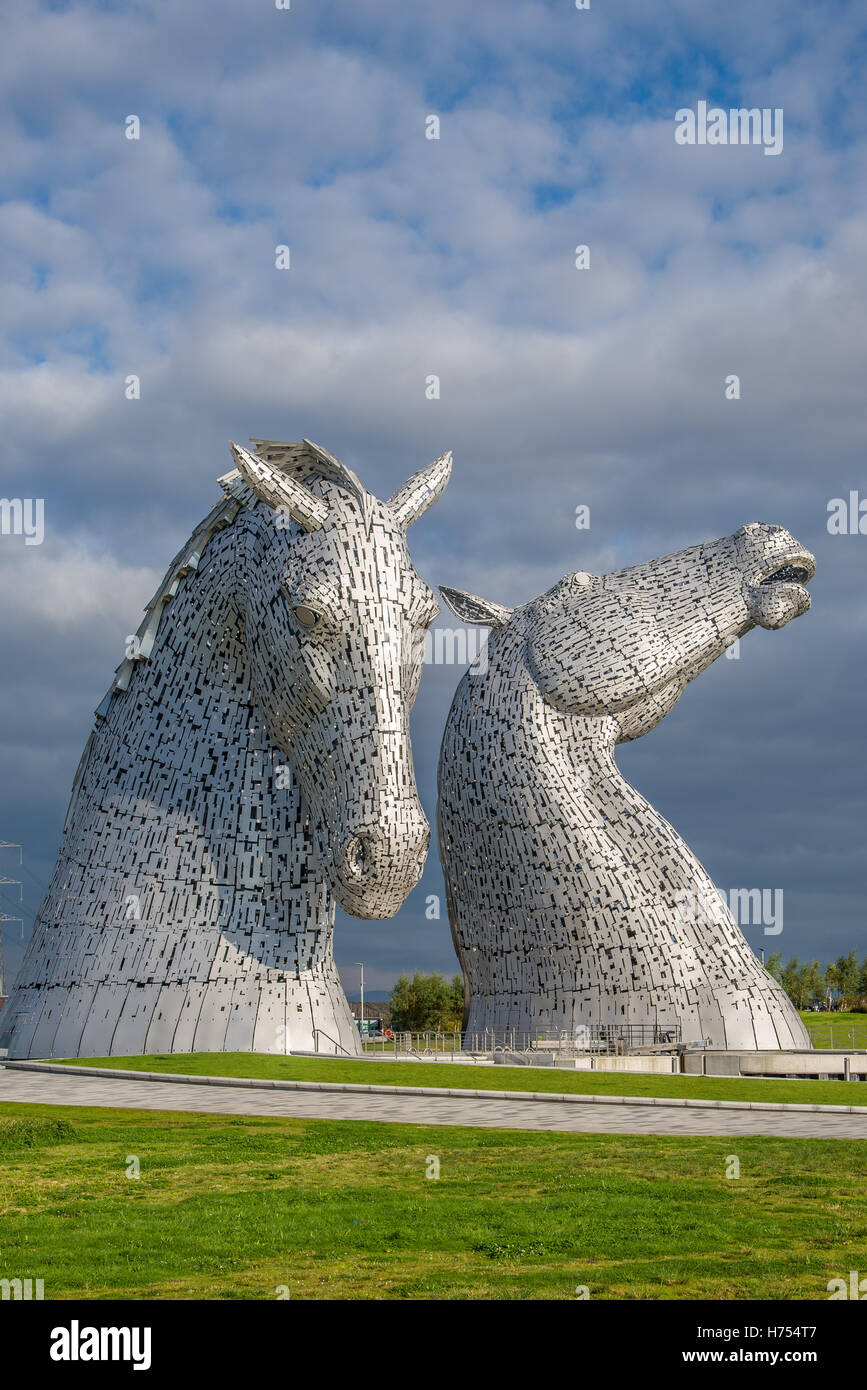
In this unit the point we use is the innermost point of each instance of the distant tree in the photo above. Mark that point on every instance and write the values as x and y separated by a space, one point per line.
791 979
842 984
458 1001
412 1006
426 1003
814 984
830 983
847 976
803 983
861 1005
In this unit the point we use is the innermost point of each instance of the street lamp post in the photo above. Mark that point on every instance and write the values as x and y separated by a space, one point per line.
361 1030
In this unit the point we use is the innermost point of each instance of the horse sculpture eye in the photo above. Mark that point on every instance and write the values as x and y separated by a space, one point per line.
306 616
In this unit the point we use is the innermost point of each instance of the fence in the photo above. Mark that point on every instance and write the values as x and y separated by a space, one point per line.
597 1038
841 1036
587 1038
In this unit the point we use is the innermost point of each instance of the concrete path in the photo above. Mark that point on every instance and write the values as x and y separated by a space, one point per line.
49 1088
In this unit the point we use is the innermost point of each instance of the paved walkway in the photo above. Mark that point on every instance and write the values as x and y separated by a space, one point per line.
49 1088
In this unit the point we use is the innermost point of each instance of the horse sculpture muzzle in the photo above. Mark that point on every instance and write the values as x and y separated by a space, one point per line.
776 571
374 871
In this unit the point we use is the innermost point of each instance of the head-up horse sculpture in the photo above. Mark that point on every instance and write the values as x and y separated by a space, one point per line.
571 900
250 766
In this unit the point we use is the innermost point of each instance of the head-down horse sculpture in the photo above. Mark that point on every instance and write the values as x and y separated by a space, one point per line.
250 766
571 900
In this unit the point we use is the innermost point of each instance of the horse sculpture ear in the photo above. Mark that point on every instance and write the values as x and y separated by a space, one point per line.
421 491
280 491
472 609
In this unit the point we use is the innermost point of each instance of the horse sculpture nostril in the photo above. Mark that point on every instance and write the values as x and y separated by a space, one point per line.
356 858
369 861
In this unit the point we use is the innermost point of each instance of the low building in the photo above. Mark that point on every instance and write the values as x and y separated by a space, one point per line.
376 1010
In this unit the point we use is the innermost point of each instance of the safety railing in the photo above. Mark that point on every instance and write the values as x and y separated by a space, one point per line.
321 1033
587 1038
838 1036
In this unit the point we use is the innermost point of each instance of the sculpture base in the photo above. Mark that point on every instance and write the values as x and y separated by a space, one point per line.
305 1013
749 1020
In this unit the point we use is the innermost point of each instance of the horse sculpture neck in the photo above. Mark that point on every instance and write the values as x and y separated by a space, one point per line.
186 814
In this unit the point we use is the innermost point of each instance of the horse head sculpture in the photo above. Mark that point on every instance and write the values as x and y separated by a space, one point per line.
250 766
571 900
333 614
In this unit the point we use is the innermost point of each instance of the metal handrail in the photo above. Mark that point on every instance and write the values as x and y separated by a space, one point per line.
616 1038
317 1031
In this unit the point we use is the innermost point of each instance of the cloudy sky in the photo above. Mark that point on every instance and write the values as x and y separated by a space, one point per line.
413 257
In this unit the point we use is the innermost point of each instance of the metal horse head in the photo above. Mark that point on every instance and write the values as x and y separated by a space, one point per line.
571 900
623 646
333 612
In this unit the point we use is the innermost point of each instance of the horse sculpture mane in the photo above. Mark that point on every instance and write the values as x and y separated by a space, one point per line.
249 766
300 460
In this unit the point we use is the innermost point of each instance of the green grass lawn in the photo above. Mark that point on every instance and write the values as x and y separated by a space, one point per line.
836 1030
460 1076
233 1207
